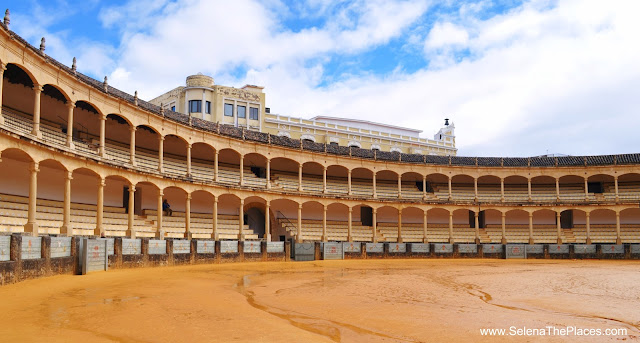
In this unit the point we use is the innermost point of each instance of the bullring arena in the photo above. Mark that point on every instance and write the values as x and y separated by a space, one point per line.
399 246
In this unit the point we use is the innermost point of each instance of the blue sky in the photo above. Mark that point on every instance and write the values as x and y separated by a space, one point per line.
518 78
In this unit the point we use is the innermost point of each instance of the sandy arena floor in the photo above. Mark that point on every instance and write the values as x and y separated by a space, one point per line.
324 301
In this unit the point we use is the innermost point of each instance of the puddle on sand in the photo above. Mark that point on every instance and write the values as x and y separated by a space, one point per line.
331 329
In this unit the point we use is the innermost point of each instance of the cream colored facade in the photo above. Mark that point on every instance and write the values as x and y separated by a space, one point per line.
344 132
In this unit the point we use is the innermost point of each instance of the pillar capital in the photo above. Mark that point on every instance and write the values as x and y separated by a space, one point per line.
102 182
69 175
160 137
34 167
189 145
350 209
300 206
37 88
504 215
71 104
133 128
3 67
241 202
160 193
188 197
587 214
132 188
215 200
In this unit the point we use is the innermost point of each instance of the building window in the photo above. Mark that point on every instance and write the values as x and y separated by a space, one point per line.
195 106
207 107
242 112
173 108
253 113
228 110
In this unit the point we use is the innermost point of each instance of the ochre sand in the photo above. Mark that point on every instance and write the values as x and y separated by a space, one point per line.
324 301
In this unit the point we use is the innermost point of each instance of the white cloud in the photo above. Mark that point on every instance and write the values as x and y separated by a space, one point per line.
446 34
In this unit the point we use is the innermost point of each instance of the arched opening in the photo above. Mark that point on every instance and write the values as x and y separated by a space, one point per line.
254 208
175 156
462 188
118 139
543 189
229 166
577 233
572 189
285 222
255 170
174 221
284 174
516 189
492 231
53 115
517 226
387 184
84 195
230 217
603 226
437 187
601 187
202 161
18 99
337 179
412 224
489 189
312 227
411 185
628 187
545 229
146 148
387 224
86 127
312 177
463 226
438 225
201 214
362 182
146 206
630 225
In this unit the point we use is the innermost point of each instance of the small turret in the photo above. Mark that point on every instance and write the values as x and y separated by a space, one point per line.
7 18
73 66
105 84
42 45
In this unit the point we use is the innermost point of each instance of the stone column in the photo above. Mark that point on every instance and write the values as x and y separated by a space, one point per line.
188 160
132 145
450 226
267 222
160 232
424 187
214 214
300 177
268 174
160 153
529 188
203 104
241 170
36 111
530 228
350 226
299 228
70 106
450 194
187 216
3 67
103 123
349 188
504 228
557 189
475 188
375 193
324 224
424 227
375 225
215 166
32 225
588 225
241 221
99 231
615 181
501 189
618 238
399 186
66 228
586 189
399 225
324 179
477 226
558 228
130 211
